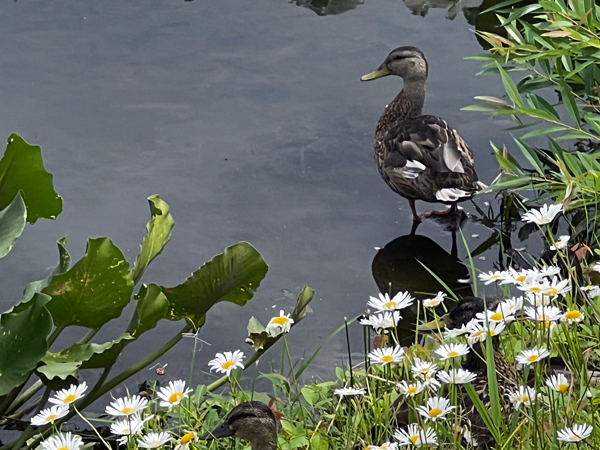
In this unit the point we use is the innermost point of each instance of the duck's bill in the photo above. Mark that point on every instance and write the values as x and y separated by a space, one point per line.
434 325
381 71
220 431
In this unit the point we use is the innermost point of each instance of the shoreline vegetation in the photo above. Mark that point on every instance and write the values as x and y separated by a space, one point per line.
518 369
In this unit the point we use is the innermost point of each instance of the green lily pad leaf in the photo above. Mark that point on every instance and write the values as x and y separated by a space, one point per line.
159 233
64 262
85 356
257 334
95 290
151 307
231 276
22 169
12 224
62 370
23 341
302 308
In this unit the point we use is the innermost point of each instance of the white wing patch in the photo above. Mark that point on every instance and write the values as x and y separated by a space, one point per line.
451 194
412 169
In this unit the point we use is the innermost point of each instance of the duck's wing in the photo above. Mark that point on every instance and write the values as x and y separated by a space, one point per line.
426 146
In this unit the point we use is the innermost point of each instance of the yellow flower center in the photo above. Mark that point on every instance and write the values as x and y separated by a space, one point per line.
414 438
390 305
434 412
175 397
452 354
62 448
532 358
551 291
496 316
127 410
562 388
187 437
573 314
51 418
387 358
411 390
535 289
492 333
521 278
69 398
280 320
525 398
228 364
477 333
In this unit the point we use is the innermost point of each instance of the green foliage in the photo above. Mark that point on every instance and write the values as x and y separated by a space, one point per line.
12 224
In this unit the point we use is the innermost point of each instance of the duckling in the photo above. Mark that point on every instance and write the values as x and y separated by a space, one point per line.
419 156
253 421
459 314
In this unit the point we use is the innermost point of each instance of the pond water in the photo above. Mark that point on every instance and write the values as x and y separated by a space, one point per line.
249 119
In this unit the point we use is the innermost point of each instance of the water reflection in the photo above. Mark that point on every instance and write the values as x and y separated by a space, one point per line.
468 7
329 7
408 263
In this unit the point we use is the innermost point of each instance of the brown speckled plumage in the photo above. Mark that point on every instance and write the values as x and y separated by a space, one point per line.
420 156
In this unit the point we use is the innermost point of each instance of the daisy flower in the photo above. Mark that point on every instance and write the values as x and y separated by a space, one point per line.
522 396
387 355
345 392
382 321
49 415
576 433
456 376
544 313
423 369
512 276
172 394
479 331
63 441
558 382
126 406
464 328
433 302
279 324
500 314
68 396
153 440
491 277
183 443
435 408
128 426
561 242
468 437
226 362
511 305
384 446
557 287
448 351
549 271
593 291
537 299
400 301
410 389
572 316
527 357
542 216
415 435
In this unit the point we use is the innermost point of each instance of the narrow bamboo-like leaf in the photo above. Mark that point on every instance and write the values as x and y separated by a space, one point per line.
509 86
492 382
483 411
12 224
507 163
231 276
541 103
511 182
574 134
543 131
500 5
569 102
95 290
159 233
519 12
23 344
489 107
530 154
486 98
557 34
22 169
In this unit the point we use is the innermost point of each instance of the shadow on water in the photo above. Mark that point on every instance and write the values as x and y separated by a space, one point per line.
329 7
408 263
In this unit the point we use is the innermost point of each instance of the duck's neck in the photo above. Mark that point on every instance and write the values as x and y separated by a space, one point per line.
264 443
408 103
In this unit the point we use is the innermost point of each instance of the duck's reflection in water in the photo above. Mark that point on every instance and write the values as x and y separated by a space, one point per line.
417 264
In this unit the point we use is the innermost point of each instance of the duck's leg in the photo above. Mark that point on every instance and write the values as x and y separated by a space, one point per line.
443 212
416 217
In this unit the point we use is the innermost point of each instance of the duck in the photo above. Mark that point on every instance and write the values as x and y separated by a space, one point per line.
459 314
420 157
252 421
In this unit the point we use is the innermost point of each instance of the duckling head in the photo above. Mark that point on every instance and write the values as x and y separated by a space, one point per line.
406 62
253 421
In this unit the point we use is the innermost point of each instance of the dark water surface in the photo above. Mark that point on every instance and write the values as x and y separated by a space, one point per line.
249 119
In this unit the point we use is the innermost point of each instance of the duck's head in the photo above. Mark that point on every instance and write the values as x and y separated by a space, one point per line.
253 421
460 313
406 62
